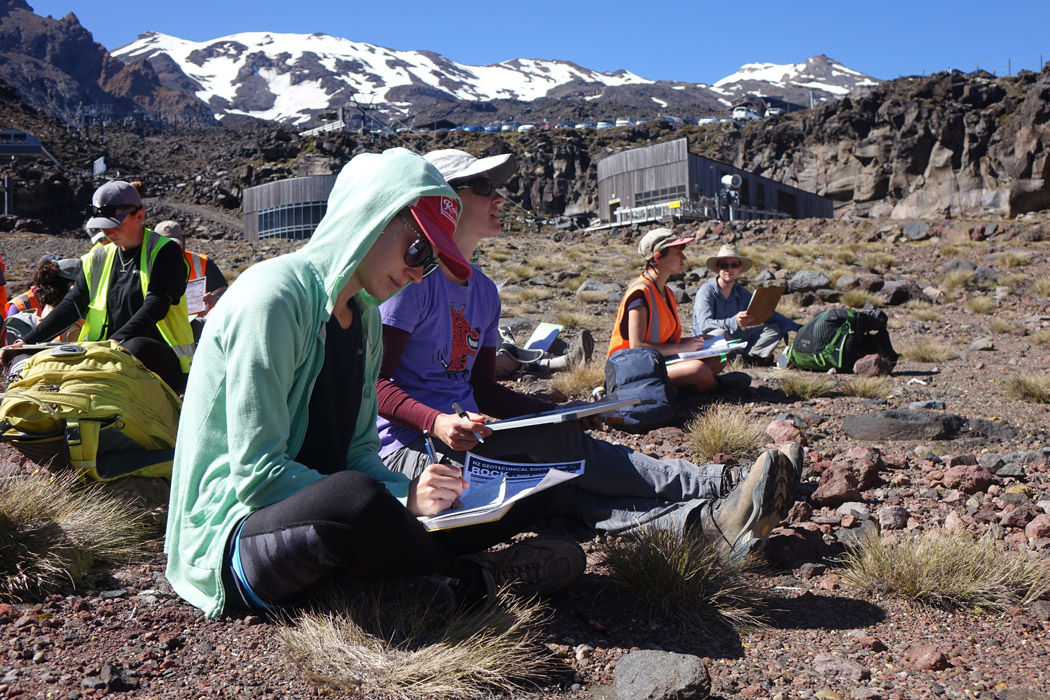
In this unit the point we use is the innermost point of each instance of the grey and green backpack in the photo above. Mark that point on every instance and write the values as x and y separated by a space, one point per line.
837 338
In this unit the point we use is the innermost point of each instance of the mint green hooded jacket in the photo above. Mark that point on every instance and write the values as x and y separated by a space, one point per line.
246 408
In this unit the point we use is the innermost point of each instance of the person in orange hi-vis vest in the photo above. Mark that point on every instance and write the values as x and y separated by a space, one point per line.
648 313
200 266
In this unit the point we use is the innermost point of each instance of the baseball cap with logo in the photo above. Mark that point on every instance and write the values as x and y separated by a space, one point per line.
111 203
437 218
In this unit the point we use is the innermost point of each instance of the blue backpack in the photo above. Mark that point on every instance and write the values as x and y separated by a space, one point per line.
640 373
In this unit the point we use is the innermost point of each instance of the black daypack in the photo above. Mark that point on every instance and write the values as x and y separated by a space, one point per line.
837 338
640 373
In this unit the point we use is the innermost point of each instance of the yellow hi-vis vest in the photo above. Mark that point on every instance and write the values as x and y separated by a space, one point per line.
97 265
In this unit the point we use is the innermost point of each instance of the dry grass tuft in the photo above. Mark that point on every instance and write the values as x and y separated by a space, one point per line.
1034 388
577 319
593 297
1041 287
867 387
1014 259
957 279
928 351
947 570
54 530
469 656
789 307
980 305
880 262
1001 325
675 575
924 311
578 382
724 429
806 386
1039 337
1014 281
859 298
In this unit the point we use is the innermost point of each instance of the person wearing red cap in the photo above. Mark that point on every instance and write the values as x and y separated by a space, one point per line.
277 488
648 313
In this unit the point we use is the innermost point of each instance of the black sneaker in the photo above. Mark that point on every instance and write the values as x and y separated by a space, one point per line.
743 520
537 566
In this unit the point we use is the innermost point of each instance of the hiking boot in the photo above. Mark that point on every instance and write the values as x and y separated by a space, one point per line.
581 349
537 566
743 520
732 475
733 382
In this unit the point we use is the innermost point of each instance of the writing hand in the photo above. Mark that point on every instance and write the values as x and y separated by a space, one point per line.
438 488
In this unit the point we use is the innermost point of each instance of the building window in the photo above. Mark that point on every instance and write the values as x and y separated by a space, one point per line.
666 194
291 220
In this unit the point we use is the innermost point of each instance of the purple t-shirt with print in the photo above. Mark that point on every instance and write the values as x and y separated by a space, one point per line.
448 323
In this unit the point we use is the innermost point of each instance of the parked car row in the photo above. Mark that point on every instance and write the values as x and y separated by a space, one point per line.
742 113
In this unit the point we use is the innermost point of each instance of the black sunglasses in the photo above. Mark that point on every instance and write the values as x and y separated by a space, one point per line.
111 210
481 186
420 252
722 265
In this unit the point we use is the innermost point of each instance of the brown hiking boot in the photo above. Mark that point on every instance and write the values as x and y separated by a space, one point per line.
744 519
537 566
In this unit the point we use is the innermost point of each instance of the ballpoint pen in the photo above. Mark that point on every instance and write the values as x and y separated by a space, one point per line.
429 444
463 414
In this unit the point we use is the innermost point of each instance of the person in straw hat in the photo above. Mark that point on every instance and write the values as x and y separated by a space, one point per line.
648 313
720 307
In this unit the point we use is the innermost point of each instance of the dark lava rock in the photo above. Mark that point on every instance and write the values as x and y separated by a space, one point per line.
903 425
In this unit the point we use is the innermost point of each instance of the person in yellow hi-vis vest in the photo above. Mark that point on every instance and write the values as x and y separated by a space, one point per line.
132 292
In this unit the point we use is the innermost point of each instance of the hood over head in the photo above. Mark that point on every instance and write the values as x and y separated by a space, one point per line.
370 190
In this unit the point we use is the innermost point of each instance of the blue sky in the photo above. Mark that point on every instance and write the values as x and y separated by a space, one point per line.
671 40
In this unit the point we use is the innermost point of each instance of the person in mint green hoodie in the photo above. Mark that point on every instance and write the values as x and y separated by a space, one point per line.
276 486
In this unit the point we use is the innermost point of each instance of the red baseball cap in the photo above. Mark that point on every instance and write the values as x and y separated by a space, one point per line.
437 218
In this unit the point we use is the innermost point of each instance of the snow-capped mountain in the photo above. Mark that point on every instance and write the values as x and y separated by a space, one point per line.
291 78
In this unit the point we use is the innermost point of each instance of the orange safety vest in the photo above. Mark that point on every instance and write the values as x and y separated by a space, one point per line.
26 301
198 263
664 326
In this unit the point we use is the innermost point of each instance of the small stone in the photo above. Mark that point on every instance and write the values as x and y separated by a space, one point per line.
925 658
1039 527
893 517
986 344
836 666
929 404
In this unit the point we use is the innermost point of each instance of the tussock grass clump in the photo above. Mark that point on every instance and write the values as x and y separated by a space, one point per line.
54 530
724 429
576 319
578 382
845 256
1041 287
1001 325
980 305
495 652
947 570
591 296
881 262
1034 388
1014 281
928 351
859 298
923 311
789 307
867 387
806 386
681 576
1011 259
1039 337
957 279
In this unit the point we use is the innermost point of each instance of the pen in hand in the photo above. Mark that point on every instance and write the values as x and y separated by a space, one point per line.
429 444
463 414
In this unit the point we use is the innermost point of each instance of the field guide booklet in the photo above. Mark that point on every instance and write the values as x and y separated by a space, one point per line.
495 486
712 348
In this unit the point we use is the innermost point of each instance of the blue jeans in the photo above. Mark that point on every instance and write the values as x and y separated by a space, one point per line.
618 490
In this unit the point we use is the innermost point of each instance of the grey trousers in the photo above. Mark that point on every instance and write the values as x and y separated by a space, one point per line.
761 340
619 489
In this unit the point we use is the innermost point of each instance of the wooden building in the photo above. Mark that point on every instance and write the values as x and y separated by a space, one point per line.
666 180
287 208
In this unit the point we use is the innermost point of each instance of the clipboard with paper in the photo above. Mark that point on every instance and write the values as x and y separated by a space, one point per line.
764 302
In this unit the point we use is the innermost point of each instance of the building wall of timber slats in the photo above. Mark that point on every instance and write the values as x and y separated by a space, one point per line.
664 172
287 208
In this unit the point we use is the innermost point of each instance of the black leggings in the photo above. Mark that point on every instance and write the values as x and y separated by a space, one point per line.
159 358
348 522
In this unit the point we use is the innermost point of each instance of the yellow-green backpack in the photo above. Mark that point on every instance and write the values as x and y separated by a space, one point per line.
92 406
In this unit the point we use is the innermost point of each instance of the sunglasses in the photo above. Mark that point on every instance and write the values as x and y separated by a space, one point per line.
481 186
111 210
722 265
420 252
